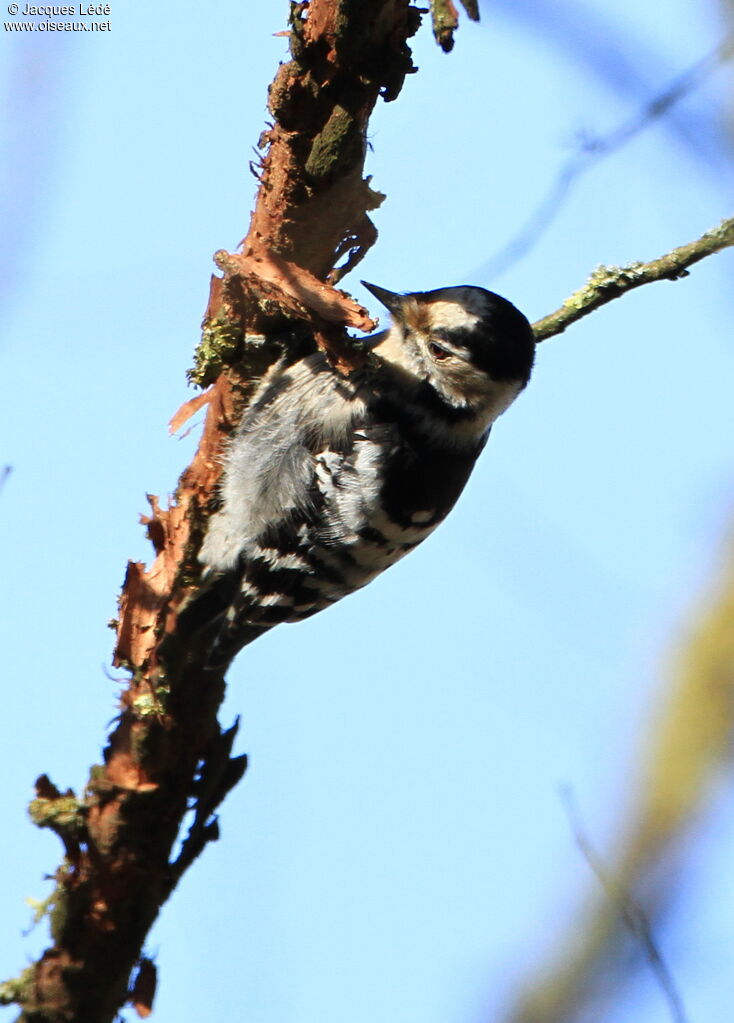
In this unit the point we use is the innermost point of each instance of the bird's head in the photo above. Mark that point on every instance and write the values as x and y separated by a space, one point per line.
473 348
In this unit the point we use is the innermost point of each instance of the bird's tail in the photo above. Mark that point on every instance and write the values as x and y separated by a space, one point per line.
207 615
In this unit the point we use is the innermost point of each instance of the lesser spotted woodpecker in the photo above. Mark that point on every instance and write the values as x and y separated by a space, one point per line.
330 479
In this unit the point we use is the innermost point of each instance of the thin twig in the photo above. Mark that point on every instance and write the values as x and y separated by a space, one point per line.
633 914
593 148
609 282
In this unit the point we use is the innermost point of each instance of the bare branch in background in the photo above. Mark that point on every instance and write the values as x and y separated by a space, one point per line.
632 65
632 913
594 148
687 751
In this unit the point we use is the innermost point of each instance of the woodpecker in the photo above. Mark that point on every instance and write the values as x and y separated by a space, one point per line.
330 479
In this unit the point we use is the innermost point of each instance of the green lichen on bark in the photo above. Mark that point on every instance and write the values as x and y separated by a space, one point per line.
64 815
62 916
445 22
609 282
220 346
337 148
151 704
603 282
17 989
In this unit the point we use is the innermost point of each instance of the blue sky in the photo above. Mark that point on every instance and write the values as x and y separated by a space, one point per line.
397 850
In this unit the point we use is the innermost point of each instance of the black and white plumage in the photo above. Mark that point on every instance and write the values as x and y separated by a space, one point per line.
329 480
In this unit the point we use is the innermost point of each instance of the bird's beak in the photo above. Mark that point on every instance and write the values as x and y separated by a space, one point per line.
390 299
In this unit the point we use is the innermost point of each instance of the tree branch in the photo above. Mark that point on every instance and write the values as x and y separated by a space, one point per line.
445 20
609 282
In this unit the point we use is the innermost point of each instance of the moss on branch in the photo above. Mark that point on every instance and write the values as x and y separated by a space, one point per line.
609 282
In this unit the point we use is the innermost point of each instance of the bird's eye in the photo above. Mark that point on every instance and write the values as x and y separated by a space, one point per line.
438 352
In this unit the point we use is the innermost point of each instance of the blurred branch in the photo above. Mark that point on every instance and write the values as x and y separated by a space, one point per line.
630 910
594 148
609 282
631 64
688 751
